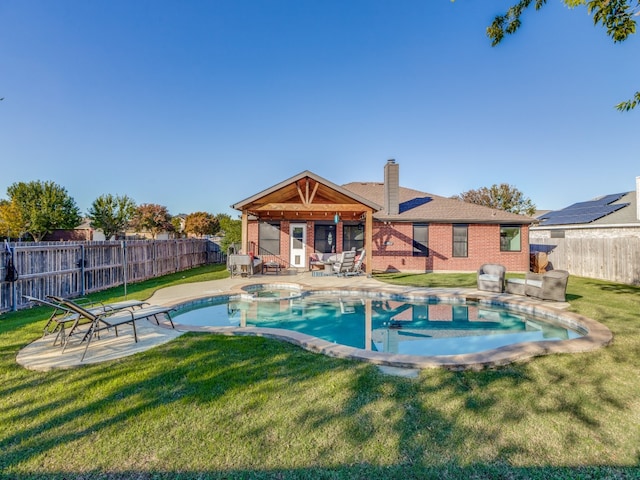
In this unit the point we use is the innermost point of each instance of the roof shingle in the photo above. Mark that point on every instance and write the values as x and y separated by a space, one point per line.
426 207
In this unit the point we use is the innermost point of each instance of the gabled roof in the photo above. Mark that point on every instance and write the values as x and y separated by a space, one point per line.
288 191
607 209
416 206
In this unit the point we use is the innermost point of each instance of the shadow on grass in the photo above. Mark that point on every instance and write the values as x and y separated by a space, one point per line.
206 406
267 404
360 472
617 288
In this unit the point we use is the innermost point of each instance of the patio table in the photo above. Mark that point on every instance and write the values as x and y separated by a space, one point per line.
273 266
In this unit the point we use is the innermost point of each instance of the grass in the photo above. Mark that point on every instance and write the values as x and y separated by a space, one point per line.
206 406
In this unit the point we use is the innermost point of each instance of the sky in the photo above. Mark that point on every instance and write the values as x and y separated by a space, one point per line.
197 105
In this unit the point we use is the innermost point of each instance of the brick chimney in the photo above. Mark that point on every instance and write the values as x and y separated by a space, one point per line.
392 187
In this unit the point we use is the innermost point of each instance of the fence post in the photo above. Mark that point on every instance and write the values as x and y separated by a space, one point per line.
123 244
154 256
177 255
14 288
82 276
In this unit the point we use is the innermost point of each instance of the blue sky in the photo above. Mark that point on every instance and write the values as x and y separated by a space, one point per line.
197 105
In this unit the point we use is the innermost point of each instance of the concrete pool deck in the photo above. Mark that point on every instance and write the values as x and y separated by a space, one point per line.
42 355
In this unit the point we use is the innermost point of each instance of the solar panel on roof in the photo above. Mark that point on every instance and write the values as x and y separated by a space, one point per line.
413 203
584 212
607 199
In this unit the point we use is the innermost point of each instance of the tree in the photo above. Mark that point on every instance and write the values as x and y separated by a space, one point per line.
502 197
615 15
44 207
11 221
201 223
152 218
232 230
178 223
111 214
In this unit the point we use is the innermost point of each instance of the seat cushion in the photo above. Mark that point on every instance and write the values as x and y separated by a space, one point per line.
489 278
535 283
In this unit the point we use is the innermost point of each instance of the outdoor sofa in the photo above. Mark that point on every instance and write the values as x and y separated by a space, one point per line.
344 263
551 285
318 260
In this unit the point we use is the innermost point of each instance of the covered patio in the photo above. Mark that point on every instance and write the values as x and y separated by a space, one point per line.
306 214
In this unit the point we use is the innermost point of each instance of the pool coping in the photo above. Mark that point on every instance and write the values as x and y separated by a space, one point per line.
597 335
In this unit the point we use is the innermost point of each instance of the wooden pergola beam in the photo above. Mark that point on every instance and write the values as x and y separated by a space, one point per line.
299 207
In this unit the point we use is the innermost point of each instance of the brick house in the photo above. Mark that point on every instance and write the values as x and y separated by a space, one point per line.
400 229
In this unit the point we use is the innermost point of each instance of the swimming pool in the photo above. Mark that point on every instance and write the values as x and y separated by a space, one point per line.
380 325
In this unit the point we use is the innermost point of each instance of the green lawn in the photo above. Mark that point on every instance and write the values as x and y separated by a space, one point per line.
206 406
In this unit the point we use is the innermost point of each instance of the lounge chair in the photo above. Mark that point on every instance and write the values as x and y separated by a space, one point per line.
63 316
345 262
491 277
118 305
112 319
58 320
357 266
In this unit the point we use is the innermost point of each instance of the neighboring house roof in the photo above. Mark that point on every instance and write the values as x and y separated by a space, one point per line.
85 224
613 209
540 213
416 206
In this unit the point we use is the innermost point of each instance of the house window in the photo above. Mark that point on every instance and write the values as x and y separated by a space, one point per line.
510 238
556 234
352 237
324 238
420 240
269 238
460 240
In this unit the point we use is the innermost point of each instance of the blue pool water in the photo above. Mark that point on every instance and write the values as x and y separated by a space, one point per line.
378 324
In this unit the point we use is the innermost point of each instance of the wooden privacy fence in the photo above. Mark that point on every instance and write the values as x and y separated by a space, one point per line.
74 269
616 259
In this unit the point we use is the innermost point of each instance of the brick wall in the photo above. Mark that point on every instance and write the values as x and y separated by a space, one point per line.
393 247
252 232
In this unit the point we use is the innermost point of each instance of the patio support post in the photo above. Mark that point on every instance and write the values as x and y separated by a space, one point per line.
368 241
245 231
